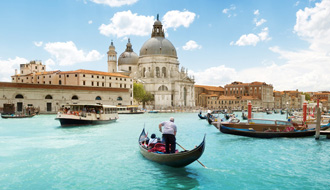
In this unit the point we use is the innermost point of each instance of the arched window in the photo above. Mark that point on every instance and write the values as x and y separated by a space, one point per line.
119 98
59 82
98 98
157 72
19 96
74 97
164 72
163 88
144 72
48 97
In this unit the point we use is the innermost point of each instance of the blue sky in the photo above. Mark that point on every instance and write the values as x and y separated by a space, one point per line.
285 43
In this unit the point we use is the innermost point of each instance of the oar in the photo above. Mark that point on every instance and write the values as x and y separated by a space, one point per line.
197 160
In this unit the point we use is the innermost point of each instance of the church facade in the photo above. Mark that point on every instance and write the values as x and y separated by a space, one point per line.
157 67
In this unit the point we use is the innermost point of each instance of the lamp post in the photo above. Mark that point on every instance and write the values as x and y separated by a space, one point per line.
287 104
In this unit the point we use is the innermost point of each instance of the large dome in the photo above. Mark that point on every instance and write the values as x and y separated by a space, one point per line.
158 46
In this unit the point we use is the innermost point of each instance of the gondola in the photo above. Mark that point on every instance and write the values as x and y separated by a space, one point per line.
16 116
177 160
266 130
202 116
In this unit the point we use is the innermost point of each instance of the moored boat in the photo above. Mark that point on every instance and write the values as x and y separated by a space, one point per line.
87 114
262 128
179 159
14 116
202 116
131 109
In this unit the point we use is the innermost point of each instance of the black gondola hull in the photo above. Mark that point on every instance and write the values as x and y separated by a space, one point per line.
258 134
180 159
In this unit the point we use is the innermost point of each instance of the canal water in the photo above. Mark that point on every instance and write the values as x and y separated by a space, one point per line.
36 153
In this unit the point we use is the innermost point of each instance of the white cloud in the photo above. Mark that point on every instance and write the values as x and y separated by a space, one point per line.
256 12
8 67
38 44
66 53
247 40
191 45
296 4
90 22
215 75
175 19
252 39
313 25
259 22
305 70
125 23
115 3
228 11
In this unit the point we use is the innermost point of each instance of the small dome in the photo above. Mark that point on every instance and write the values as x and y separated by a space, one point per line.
158 46
157 22
128 58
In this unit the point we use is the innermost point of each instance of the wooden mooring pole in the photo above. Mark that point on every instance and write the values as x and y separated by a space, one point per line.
318 124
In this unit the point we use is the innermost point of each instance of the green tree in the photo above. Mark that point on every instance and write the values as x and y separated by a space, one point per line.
307 96
141 95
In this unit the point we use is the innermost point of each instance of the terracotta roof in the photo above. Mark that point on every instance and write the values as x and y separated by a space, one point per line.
59 87
211 88
249 98
227 98
80 71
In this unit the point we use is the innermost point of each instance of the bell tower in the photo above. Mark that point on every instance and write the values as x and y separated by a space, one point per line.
112 59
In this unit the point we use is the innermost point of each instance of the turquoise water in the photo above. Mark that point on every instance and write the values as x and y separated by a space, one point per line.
36 153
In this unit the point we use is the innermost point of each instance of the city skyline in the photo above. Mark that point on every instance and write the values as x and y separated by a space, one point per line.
283 43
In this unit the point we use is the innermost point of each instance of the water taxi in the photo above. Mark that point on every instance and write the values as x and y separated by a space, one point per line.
87 114
132 109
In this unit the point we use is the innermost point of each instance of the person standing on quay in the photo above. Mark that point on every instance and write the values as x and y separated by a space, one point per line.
169 132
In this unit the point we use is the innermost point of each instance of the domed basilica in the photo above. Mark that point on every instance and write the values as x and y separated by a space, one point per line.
157 68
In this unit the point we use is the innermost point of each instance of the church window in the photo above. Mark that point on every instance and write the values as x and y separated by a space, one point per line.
22 72
102 77
144 72
19 96
44 76
74 97
97 76
109 84
119 98
92 76
75 75
59 82
157 72
102 83
22 80
92 83
84 82
48 97
50 82
163 88
83 75
98 98
130 68
67 76
97 84
58 76
164 71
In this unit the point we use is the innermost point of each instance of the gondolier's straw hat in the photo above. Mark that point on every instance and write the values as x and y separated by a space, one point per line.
171 118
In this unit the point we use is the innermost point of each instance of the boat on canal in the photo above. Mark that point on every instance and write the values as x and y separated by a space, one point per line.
179 159
16 116
131 109
87 114
262 128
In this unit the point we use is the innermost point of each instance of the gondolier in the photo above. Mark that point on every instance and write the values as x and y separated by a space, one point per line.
168 129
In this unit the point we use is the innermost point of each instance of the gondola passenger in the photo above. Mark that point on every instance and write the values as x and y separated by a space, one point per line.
152 141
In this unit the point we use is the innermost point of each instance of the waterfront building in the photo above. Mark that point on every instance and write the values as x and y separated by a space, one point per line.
288 99
323 97
48 90
258 92
204 95
157 68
